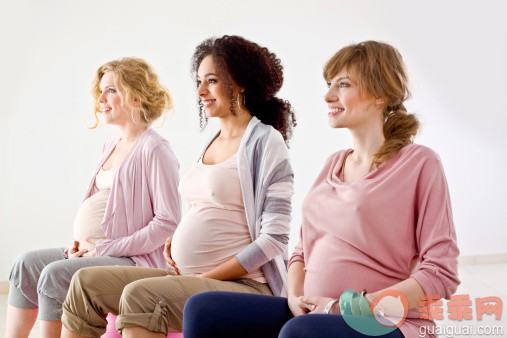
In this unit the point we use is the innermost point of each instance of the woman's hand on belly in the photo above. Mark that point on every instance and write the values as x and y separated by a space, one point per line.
90 253
317 304
296 306
78 254
74 252
73 248
167 255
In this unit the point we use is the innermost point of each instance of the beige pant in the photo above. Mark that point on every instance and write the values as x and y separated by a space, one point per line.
149 298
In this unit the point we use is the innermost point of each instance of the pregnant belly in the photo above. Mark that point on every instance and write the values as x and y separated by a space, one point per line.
89 219
205 239
346 268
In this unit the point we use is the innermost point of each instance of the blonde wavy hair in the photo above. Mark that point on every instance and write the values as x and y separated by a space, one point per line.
378 69
135 79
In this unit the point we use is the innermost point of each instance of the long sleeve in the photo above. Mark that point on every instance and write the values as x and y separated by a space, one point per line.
277 187
435 233
162 178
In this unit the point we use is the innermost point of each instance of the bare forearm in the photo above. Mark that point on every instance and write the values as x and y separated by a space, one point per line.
228 270
296 279
409 287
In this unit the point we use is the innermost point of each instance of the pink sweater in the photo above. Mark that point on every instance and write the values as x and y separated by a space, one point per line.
144 206
392 224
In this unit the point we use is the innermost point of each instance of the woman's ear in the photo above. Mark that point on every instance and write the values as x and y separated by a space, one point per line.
380 101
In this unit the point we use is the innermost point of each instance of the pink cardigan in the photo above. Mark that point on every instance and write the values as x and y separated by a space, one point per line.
394 223
144 206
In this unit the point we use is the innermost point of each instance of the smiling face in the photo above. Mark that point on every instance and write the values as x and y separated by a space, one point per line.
113 111
349 107
213 89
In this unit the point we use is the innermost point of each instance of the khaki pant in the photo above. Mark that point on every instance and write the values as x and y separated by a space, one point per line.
149 298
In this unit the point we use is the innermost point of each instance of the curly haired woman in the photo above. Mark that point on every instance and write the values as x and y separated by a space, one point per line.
378 219
235 234
132 204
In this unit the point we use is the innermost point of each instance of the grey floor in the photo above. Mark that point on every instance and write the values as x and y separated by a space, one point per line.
477 281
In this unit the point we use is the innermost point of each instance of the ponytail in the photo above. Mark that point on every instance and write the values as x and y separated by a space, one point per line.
400 129
276 112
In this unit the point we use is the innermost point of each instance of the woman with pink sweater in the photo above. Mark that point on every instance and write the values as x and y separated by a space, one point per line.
131 205
378 218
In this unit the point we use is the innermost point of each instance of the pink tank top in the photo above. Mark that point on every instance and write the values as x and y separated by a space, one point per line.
215 228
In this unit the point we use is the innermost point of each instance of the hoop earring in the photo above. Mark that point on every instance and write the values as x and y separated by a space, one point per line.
244 104
132 115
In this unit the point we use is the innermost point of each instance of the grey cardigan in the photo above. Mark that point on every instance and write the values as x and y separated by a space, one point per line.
267 186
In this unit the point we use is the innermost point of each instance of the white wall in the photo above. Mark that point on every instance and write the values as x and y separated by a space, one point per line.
456 53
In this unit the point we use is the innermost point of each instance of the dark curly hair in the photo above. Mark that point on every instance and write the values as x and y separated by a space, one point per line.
255 69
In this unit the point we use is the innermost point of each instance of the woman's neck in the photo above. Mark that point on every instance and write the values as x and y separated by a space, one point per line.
234 126
131 132
367 139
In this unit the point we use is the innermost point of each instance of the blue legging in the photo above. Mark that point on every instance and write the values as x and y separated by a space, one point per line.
230 314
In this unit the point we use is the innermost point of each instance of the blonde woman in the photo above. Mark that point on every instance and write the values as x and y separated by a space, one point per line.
131 205
377 219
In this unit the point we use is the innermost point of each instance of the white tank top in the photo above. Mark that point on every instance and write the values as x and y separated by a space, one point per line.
91 212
